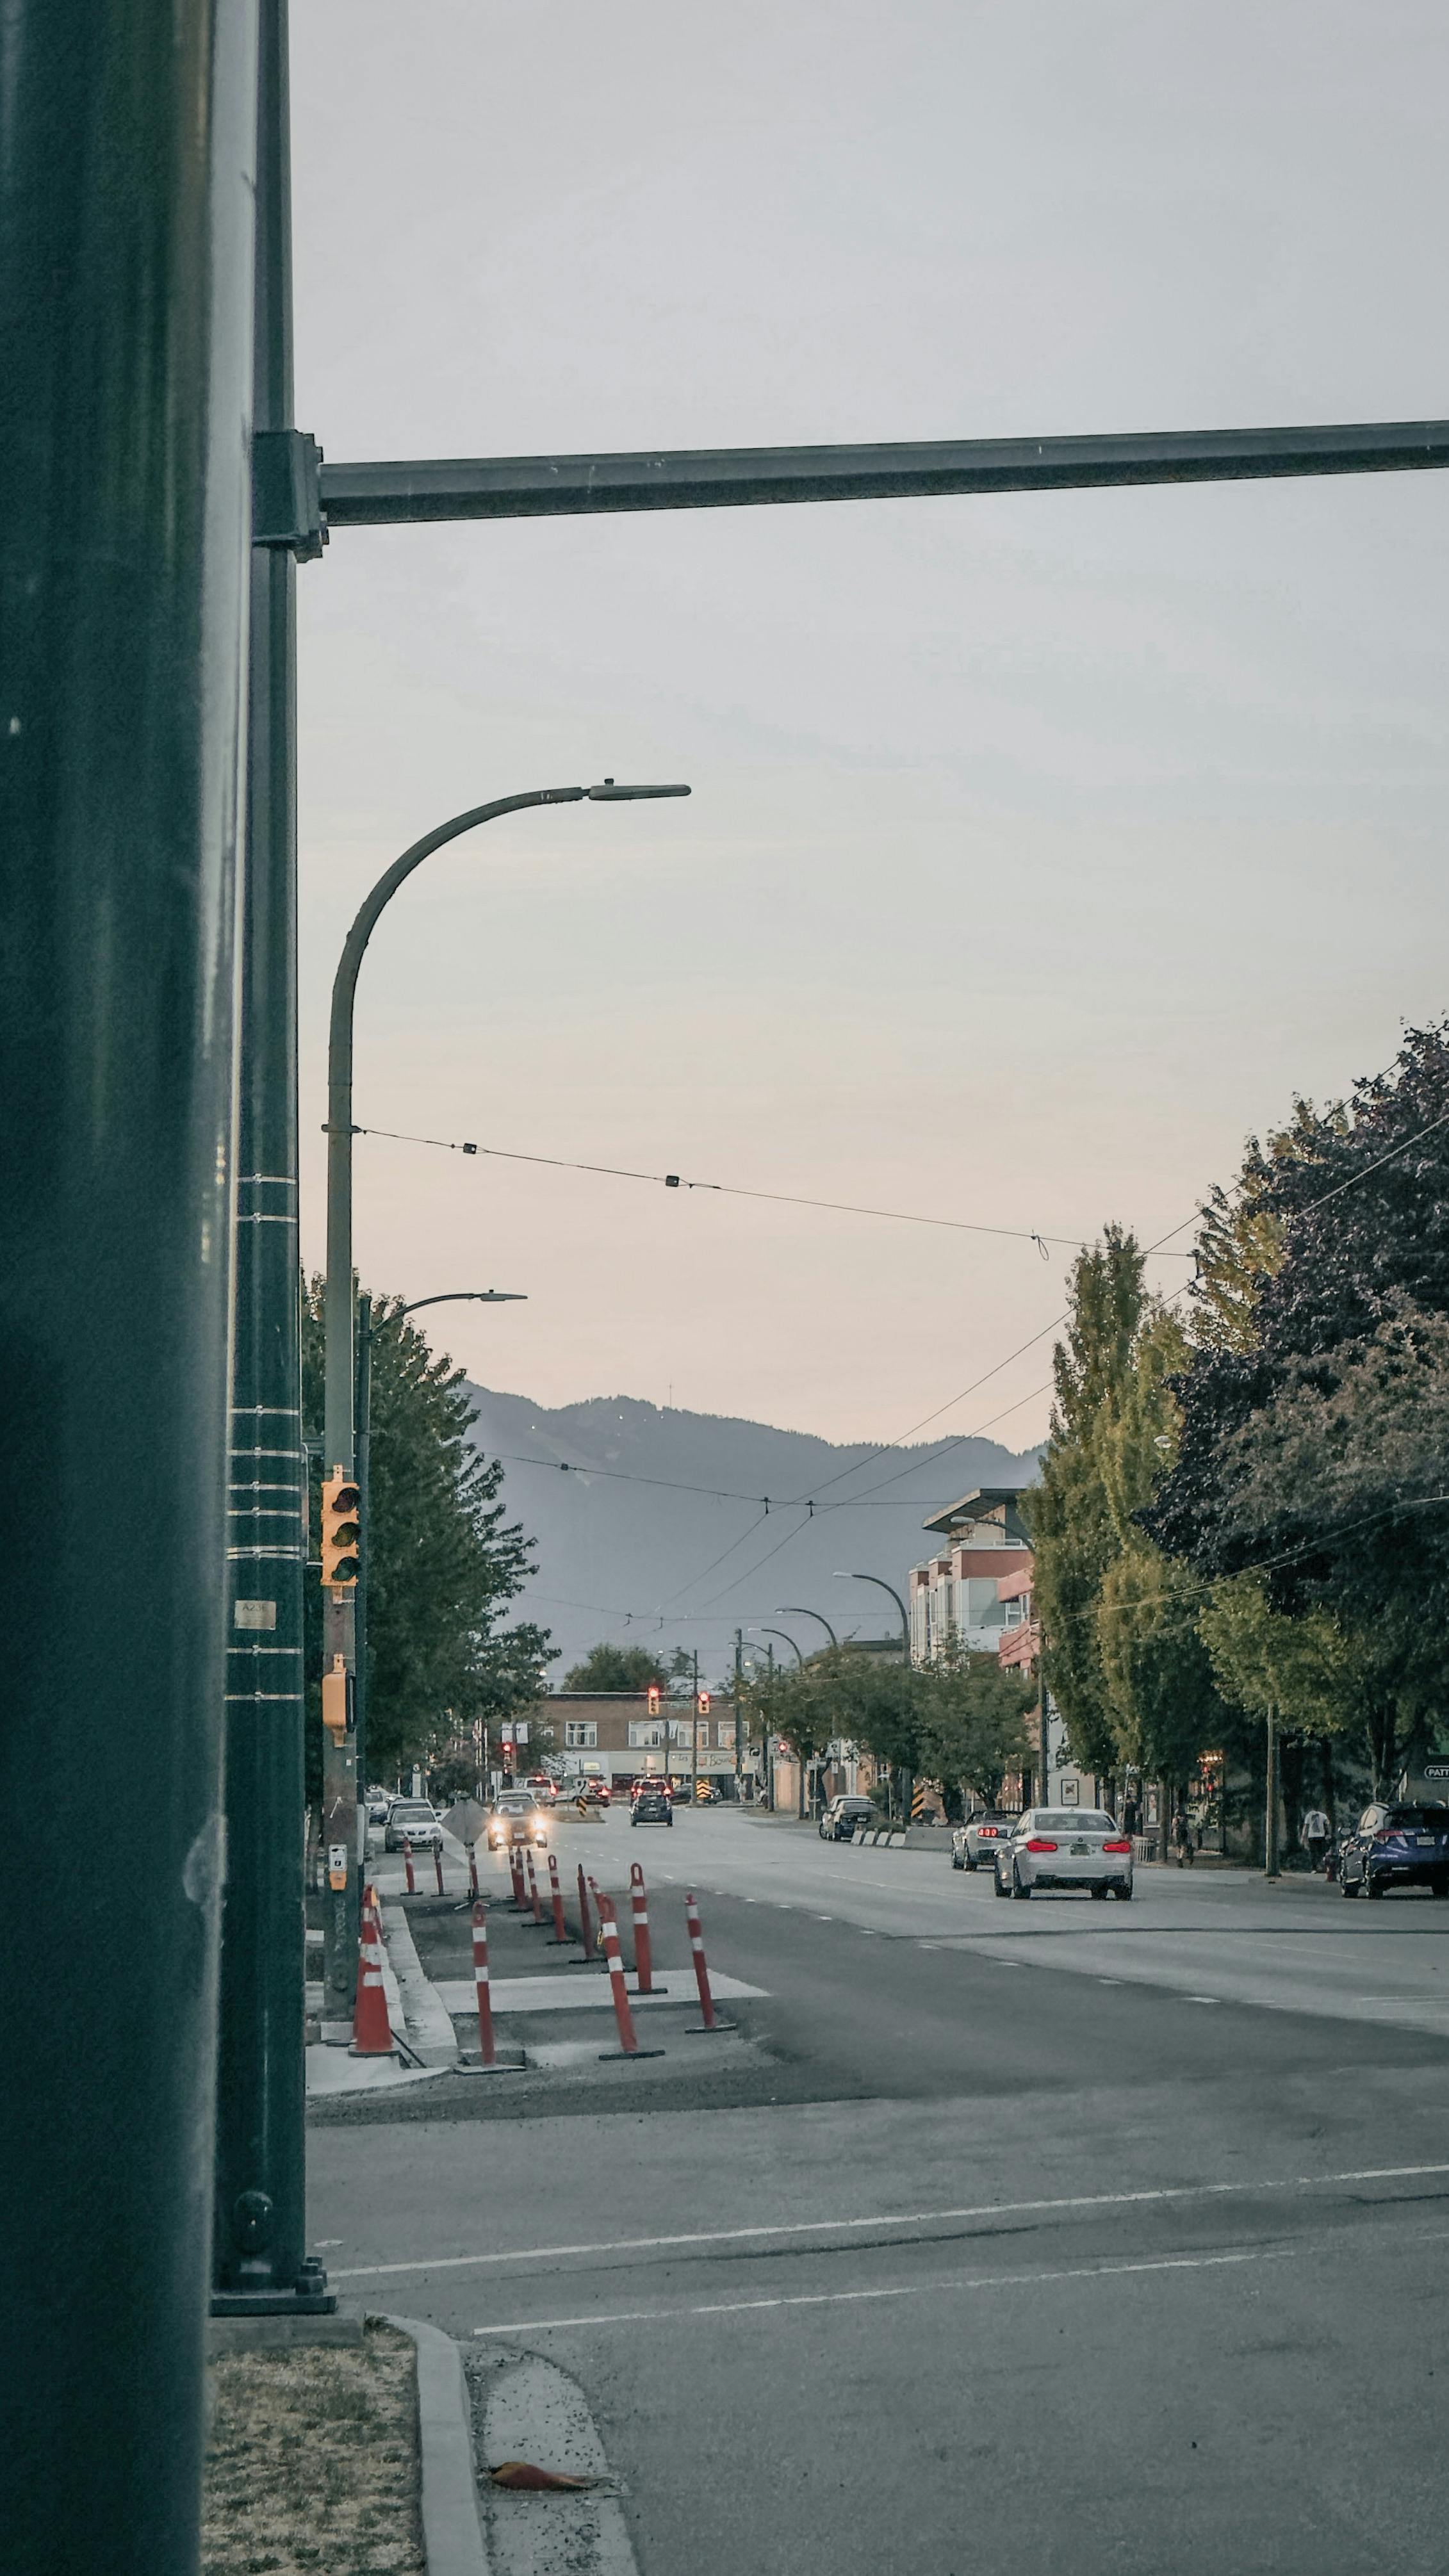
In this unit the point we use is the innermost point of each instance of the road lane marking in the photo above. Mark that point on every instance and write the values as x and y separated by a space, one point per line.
896 2290
1158 2194
1202 1999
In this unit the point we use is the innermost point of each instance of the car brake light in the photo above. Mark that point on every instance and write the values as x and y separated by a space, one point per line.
1118 1847
1037 1844
987 1834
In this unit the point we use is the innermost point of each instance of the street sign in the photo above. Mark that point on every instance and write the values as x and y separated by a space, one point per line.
466 1819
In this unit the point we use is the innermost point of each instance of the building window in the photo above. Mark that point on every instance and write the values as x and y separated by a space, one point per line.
581 1734
726 1734
645 1734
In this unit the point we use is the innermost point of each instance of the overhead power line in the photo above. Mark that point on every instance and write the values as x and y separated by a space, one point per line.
733 1190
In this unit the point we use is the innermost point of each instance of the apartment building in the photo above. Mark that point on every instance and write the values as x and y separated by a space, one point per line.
953 1598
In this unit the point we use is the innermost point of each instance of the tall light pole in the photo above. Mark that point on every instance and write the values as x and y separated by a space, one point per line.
758 1630
367 1332
339 1631
882 1586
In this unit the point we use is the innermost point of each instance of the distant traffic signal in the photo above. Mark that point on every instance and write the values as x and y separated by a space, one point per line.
702 1703
337 1702
654 1699
341 1531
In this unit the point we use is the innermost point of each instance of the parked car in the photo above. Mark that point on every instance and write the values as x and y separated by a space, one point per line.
976 1841
845 1817
516 1817
1396 1846
1065 1847
411 1820
378 1803
653 1807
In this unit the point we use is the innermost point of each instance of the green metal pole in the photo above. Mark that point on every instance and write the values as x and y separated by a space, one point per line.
364 1468
126 182
258 2254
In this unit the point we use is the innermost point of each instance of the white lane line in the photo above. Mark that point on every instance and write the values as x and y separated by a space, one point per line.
1110 1981
1162 2192
1202 1999
897 2290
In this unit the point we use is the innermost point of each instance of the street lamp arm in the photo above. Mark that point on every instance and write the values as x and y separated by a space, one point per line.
794 1610
760 1631
344 982
466 1297
882 1586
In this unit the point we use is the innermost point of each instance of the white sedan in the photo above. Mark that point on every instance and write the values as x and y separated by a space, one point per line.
1065 1847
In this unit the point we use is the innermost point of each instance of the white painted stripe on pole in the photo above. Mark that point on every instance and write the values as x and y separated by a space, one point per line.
1150 2198
895 2290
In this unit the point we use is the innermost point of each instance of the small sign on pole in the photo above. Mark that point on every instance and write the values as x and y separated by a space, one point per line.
466 1819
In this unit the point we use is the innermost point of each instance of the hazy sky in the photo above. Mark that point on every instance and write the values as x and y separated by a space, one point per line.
1039 848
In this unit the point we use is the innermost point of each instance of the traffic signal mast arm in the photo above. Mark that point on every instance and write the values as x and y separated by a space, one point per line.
713 478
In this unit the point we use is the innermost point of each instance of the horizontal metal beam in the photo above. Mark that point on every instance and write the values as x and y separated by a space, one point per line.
546 487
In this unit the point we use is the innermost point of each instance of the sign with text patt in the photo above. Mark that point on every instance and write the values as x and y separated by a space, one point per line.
466 1819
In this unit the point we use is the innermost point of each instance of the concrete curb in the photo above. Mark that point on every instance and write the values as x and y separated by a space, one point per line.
452 2530
426 2022
526 2408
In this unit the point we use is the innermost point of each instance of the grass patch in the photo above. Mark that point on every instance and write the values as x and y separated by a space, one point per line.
312 2464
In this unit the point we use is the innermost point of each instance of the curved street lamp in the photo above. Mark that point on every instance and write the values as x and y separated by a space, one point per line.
757 1631
882 1586
793 1610
337 1313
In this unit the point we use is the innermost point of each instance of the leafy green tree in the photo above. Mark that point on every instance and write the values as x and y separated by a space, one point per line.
443 1561
617 1668
971 1726
1069 1511
1312 1436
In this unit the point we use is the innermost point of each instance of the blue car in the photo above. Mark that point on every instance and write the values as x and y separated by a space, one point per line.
1396 1846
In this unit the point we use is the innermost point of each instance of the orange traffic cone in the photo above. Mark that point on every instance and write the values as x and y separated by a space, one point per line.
371 2030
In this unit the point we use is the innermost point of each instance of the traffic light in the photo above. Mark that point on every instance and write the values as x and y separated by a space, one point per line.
654 1699
341 1531
703 1703
337 1707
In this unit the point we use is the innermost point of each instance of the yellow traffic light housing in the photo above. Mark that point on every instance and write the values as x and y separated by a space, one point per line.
341 1531
337 1701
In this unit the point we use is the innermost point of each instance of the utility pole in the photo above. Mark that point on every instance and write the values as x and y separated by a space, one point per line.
126 209
259 2263
1271 1867
694 1739
739 1747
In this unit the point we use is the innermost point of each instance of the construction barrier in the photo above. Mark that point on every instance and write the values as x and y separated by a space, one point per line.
515 1872
560 1935
486 2045
473 1871
438 1866
371 2029
533 1886
408 1866
643 1955
628 2042
585 1918
709 2018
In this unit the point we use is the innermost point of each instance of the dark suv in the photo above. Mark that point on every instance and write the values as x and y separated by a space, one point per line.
844 1817
1396 1846
653 1807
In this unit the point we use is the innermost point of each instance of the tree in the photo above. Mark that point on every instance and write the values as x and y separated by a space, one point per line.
971 1722
1069 1512
1312 1435
443 1562
617 1668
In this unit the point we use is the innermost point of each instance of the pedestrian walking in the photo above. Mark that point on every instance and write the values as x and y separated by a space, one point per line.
1316 1835
1182 1841
1131 1816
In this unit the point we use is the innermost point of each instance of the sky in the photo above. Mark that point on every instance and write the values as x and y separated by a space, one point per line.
1040 848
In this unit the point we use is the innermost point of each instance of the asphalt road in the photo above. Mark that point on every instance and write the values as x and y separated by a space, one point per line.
1105 2238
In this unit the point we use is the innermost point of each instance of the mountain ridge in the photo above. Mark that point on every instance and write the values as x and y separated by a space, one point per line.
652 1524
